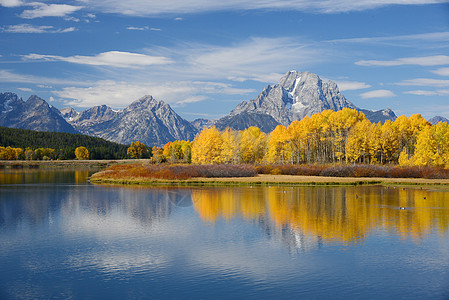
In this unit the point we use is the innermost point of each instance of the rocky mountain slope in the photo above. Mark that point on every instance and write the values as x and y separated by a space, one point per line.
34 114
295 96
146 120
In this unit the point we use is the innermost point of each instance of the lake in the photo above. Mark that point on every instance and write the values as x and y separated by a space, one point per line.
63 238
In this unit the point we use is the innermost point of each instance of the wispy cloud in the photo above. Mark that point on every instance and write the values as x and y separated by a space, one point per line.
252 59
41 10
378 94
25 89
120 94
429 37
11 3
9 76
154 7
352 85
111 58
28 28
424 82
422 93
428 93
441 71
144 28
436 60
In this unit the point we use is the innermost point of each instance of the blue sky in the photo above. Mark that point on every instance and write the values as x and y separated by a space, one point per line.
203 57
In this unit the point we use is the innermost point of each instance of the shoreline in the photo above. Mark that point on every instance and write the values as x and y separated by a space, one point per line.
34 164
268 180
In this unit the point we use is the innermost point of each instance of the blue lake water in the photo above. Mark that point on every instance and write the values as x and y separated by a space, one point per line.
63 238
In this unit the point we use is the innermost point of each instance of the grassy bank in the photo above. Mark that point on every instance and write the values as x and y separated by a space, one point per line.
244 175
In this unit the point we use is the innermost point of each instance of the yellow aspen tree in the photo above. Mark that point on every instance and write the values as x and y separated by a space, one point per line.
341 123
358 142
137 150
231 146
252 145
441 158
207 147
389 141
279 146
408 129
375 148
425 147
81 153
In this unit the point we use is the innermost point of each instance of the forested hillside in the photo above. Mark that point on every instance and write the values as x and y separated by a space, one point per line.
64 144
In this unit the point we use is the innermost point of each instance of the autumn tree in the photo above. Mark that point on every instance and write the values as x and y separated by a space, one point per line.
207 147
157 155
138 150
231 146
279 147
81 153
358 145
432 146
389 142
252 145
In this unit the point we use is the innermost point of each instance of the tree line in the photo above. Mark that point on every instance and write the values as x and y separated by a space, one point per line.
345 136
37 145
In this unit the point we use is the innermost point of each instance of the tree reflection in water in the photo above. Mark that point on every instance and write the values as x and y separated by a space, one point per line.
343 214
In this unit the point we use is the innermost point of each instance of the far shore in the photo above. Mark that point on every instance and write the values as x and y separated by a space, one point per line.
18 164
268 180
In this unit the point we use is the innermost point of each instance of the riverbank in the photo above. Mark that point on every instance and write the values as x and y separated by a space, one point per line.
267 180
35 164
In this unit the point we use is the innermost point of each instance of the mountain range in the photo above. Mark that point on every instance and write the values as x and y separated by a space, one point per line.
153 122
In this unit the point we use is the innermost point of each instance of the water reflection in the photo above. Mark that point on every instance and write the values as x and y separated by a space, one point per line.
46 176
39 204
83 241
345 214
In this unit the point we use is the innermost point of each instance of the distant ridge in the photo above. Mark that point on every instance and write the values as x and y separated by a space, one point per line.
146 120
437 119
34 114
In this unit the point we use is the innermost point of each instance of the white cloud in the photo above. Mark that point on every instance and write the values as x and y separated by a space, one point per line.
424 82
429 37
422 93
121 94
138 28
436 60
250 60
8 76
144 28
41 10
378 94
25 89
28 28
111 58
43 86
11 3
428 93
441 71
155 7
351 85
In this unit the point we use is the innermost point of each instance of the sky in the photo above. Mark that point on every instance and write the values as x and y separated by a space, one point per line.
204 57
